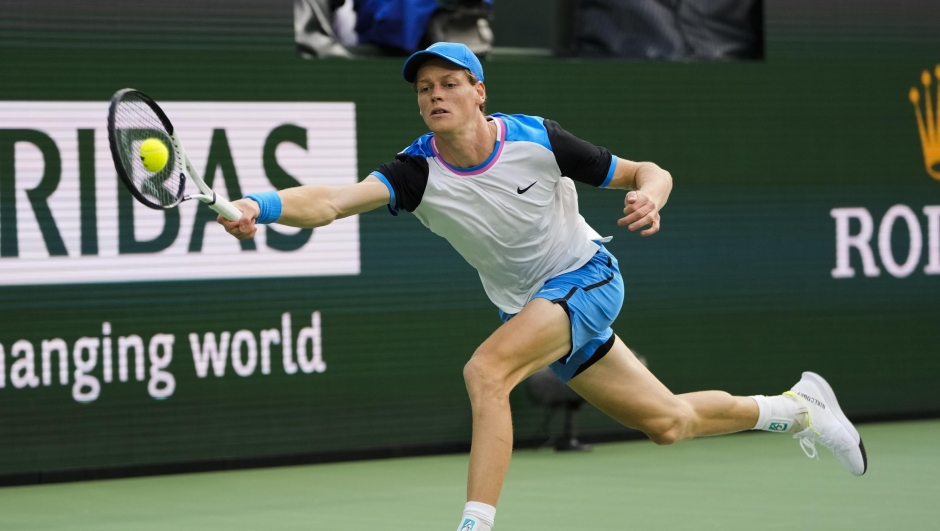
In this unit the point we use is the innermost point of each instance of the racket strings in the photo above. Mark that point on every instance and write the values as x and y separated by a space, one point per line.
134 122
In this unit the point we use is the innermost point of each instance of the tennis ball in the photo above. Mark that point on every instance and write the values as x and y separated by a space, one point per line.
154 154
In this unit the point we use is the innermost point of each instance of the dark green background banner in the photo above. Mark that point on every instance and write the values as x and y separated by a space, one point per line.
735 293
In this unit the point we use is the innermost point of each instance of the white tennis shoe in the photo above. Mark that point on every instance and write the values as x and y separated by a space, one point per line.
828 425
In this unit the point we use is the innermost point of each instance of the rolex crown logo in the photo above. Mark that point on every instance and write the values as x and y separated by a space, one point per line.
928 122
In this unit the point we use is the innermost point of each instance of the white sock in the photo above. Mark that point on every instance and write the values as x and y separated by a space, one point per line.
477 517
781 413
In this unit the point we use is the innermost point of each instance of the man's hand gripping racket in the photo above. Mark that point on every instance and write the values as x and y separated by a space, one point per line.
150 159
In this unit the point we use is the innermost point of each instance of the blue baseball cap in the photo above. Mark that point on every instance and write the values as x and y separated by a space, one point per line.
454 52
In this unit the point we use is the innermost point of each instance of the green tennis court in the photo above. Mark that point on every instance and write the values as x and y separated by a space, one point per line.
741 482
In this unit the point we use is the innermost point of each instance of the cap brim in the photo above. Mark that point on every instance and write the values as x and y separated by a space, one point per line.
413 63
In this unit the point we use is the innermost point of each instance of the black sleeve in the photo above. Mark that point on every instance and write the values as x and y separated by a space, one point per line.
408 177
577 159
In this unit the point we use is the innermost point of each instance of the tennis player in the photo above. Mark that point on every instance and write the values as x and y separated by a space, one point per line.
500 189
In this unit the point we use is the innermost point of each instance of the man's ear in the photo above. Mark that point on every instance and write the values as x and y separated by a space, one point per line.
481 91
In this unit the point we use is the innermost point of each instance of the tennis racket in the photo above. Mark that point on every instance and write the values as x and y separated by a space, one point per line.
134 117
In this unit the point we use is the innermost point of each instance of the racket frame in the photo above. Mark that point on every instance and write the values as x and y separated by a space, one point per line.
207 195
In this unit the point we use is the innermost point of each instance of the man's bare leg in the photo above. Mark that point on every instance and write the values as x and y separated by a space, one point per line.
617 384
620 386
537 336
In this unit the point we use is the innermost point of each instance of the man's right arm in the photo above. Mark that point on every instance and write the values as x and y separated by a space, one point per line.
312 206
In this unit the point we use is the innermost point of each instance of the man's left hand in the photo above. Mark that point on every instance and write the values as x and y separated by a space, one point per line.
640 211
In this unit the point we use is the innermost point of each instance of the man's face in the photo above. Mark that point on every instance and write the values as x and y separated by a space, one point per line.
445 96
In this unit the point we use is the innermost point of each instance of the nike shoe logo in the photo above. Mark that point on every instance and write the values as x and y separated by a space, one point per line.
523 190
812 400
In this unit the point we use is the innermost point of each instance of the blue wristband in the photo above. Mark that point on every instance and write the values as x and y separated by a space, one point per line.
270 204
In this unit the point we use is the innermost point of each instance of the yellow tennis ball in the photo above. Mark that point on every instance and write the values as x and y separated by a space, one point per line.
154 154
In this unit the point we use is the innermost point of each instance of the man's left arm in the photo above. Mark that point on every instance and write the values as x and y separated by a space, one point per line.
582 161
649 187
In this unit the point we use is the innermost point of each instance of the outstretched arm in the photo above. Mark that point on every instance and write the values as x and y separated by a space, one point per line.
649 187
312 206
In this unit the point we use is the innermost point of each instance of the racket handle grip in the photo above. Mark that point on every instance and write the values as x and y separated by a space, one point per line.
226 209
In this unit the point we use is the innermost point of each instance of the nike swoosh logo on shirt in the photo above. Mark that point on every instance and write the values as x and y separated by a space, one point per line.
523 190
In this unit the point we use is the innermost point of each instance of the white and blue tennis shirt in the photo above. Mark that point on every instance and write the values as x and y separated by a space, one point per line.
514 218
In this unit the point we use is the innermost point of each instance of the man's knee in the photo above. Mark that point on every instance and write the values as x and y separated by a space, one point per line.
670 428
485 379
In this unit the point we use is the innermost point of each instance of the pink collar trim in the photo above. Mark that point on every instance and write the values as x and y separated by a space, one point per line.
485 165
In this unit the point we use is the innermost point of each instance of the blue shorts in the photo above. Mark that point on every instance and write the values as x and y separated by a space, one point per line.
591 296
